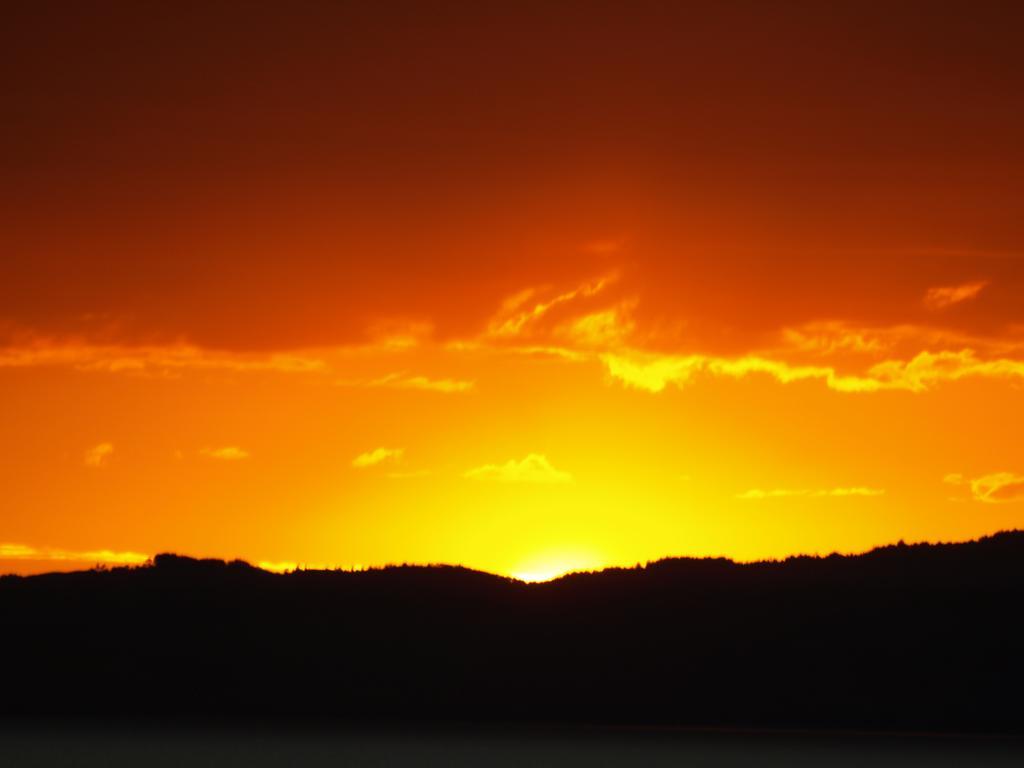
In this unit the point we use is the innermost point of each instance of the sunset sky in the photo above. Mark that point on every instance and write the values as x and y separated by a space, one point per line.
560 285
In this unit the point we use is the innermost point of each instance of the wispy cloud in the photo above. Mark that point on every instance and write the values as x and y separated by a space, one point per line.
377 456
225 453
945 296
607 328
535 468
149 360
525 308
997 487
843 357
757 494
653 373
9 551
400 333
829 338
403 380
992 488
99 455
826 338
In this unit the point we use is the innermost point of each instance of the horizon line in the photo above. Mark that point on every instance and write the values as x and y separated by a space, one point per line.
283 568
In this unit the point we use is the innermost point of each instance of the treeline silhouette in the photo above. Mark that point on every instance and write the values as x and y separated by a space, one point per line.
911 637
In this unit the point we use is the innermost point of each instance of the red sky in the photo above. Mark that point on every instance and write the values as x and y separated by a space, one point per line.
361 190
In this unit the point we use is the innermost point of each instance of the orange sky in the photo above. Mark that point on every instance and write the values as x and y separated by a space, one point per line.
558 286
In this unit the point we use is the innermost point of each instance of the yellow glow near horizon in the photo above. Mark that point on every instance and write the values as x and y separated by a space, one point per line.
545 466
550 566
635 295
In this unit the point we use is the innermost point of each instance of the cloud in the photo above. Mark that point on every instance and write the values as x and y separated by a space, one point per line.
928 368
400 333
653 373
992 488
99 455
535 468
403 380
946 296
605 329
825 338
845 358
524 309
377 456
149 360
226 453
757 494
10 551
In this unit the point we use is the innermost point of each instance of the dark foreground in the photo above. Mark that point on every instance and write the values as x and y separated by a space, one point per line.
112 747
905 638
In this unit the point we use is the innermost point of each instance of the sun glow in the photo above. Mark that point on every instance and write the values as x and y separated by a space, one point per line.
553 566
583 322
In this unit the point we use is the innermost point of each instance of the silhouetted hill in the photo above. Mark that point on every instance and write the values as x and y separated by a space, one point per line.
922 637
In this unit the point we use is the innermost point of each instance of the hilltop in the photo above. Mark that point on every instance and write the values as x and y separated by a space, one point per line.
911 637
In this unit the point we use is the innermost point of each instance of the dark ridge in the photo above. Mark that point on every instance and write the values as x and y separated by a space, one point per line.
924 637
